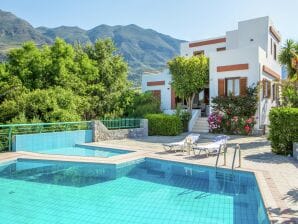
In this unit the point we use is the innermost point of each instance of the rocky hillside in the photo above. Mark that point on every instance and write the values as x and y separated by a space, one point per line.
143 49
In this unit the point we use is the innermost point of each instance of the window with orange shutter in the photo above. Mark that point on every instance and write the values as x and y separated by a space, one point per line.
232 86
266 88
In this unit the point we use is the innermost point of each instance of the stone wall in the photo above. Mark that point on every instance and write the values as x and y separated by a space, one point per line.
295 150
100 132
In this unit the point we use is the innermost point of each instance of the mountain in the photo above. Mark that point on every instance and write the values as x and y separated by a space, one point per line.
14 30
143 49
68 33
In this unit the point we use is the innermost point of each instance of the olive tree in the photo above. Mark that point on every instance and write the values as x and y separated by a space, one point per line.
189 76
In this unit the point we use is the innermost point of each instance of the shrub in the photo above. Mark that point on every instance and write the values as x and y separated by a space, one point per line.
215 122
162 124
143 103
234 114
290 93
184 116
283 129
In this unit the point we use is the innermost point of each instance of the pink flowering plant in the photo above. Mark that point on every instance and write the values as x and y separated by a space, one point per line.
215 122
234 114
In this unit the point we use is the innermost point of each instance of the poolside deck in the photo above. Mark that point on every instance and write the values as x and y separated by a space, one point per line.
277 175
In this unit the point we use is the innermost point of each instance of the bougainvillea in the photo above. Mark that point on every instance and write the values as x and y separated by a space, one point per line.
234 114
215 122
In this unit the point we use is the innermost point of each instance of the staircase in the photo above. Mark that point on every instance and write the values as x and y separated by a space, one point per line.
201 125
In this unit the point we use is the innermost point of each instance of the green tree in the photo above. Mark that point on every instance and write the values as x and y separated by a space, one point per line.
190 75
10 86
28 65
48 105
110 82
62 82
288 52
142 104
290 93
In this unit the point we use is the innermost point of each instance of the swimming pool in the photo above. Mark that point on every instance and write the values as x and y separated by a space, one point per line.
142 191
83 150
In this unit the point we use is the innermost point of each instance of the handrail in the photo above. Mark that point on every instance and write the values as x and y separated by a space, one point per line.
218 154
237 148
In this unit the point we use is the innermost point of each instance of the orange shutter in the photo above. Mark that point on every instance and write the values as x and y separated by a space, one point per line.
269 89
243 86
221 87
264 88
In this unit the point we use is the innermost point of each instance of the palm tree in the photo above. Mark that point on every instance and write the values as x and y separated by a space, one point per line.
288 52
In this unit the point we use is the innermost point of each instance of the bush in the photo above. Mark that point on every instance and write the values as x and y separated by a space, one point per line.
215 122
283 129
184 116
234 114
143 103
162 124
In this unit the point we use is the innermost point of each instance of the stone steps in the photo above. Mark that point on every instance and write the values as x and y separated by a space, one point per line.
201 125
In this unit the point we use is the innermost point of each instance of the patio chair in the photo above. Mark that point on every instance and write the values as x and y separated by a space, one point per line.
190 139
212 148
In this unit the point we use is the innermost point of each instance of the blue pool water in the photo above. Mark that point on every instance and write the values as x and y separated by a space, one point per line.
84 150
144 191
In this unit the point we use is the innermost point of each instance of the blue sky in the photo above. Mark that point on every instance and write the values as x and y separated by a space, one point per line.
183 19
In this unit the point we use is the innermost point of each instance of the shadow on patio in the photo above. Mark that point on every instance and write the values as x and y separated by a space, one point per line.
292 195
289 216
269 157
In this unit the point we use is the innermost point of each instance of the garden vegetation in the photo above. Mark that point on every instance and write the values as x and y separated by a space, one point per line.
63 82
164 125
234 114
283 129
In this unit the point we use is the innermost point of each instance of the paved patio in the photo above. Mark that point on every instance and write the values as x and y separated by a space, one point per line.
277 176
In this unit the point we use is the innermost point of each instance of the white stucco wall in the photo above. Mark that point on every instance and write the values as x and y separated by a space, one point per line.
187 51
247 55
232 39
165 90
231 57
266 103
249 44
253 32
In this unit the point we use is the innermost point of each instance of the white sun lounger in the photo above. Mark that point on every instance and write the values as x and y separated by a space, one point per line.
212 148
180 145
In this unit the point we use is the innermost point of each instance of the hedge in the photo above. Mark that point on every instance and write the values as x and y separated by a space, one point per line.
165 125
283 129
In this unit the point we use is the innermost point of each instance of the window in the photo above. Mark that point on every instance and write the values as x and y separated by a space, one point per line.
233 86
275 92
198 53
221 49
274 51
266 88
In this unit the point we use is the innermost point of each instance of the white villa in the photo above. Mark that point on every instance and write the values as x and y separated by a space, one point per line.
241 58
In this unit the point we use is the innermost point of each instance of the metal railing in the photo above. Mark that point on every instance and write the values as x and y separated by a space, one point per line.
237 148
224 148
121 123
7 131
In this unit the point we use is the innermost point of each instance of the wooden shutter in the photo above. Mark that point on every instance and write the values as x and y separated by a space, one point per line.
269 89
264 88
274 91
157 94
221 87
243 86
